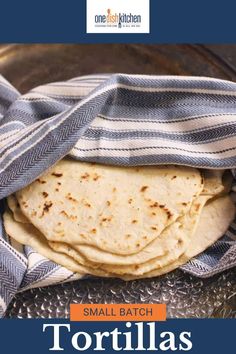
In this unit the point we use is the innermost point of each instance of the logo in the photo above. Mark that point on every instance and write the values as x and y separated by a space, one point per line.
123 16
118 20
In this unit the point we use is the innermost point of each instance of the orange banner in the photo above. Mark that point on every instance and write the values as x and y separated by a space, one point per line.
118 312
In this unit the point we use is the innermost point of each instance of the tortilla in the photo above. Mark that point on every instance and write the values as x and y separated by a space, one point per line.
71 252
86 218
212 182
15 208
159 247
183 229
117 209
161 244
27 234
216 182
179 233
214 222
156 248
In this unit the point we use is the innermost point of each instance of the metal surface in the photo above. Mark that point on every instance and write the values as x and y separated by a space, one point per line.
29 65
184 295
33 64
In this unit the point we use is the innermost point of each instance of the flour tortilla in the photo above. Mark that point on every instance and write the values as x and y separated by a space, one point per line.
180 232
167 240
212 182
156 248
117 209
27 234
210 225
71 252
183 229
214 222
82 254
16 210
216 182
159 247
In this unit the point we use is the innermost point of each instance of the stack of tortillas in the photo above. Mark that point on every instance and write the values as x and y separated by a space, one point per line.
122 222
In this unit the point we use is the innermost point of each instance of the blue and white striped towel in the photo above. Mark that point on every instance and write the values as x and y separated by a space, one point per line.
115 119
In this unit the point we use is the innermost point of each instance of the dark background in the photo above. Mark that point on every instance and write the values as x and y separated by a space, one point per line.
172 21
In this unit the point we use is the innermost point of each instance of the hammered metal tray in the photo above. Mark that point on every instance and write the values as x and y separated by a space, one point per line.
30 65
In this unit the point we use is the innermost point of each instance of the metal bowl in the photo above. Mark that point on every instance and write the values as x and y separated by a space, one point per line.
27 66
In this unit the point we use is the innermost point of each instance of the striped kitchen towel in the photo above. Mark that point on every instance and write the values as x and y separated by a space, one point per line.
115 119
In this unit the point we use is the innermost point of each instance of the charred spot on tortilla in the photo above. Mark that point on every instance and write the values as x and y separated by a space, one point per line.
85 176
47 206
154 228
63 212
154 205
40 181
58 175
96 177
69 197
